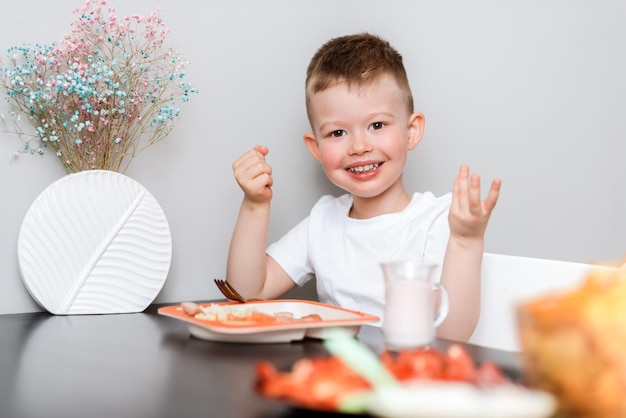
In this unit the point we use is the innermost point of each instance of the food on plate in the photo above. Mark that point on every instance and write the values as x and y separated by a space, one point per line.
316 383
242 315
323 383
574 345
191 308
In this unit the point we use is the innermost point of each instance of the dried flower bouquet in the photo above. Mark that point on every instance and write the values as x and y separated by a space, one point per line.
98 97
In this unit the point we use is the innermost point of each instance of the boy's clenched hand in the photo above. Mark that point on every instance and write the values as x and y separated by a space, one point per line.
254 175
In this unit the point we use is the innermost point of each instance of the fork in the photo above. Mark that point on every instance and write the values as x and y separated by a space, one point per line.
230 293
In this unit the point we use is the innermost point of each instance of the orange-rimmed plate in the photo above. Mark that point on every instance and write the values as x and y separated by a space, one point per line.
271 332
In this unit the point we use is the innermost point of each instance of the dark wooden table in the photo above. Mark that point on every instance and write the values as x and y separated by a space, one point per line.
145 365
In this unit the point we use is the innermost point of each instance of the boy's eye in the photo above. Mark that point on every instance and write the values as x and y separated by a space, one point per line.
378 125
337 134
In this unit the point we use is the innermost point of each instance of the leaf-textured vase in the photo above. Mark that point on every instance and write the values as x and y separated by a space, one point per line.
94 242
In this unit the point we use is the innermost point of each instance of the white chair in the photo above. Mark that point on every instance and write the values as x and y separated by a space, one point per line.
508 280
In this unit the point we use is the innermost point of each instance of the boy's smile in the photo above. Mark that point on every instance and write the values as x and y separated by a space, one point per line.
361 136
364 169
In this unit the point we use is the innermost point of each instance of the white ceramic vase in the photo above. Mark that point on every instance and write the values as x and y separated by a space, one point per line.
94 242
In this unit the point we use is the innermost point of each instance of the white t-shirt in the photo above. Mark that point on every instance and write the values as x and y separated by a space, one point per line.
344 254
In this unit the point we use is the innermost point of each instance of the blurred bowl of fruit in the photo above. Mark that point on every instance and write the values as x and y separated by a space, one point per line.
574 345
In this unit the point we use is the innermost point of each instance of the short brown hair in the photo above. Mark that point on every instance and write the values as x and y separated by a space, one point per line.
357 60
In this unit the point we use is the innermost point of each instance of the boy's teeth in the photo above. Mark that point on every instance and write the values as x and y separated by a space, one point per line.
364 168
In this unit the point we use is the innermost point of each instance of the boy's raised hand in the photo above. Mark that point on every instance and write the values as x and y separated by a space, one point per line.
468 214
254 175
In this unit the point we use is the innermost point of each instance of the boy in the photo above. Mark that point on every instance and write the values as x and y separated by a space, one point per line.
360 108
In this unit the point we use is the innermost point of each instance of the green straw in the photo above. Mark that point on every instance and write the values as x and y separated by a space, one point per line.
363 361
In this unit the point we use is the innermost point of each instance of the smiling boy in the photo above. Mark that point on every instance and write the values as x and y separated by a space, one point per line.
360 108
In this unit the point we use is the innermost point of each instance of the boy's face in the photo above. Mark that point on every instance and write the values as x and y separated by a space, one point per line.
361 136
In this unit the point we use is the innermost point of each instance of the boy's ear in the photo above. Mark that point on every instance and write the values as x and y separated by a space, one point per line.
311 143
416 129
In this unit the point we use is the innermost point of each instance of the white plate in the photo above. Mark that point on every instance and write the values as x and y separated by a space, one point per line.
332 316
428 399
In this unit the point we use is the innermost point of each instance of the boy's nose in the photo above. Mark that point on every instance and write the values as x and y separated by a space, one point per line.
359 143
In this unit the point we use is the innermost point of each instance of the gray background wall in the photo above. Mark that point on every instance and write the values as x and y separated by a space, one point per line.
533 92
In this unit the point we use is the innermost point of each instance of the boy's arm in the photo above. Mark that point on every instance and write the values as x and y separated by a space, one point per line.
249 269
462 262
461 276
